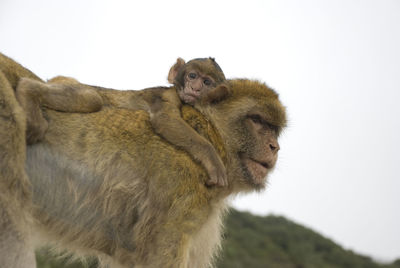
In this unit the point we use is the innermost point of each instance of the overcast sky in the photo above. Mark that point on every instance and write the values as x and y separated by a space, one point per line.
335 64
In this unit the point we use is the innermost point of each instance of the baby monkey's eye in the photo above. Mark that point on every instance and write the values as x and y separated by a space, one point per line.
192 75
207 82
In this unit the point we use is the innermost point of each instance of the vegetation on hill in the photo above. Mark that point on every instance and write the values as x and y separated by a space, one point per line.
272 241
269 242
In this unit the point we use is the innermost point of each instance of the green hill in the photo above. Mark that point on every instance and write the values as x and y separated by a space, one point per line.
271 242
254 241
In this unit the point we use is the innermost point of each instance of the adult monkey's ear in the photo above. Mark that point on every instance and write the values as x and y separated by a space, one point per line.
217 94
173 72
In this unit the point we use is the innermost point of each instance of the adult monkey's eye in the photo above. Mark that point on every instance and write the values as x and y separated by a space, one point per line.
207 82
192 75
256 119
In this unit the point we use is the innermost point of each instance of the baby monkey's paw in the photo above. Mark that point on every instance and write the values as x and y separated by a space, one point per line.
217 174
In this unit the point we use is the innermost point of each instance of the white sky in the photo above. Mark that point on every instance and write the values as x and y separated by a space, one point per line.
336 65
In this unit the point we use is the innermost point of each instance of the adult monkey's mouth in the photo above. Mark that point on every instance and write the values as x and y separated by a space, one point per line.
258 169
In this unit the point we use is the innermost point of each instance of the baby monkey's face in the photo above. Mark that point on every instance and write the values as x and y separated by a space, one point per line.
196 84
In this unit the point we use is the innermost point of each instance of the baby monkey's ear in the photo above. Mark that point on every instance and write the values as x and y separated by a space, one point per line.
216 94
173 72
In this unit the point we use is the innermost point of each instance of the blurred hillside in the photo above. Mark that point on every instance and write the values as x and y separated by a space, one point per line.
269 242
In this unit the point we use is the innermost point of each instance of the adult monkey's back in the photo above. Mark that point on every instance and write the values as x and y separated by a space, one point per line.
105 184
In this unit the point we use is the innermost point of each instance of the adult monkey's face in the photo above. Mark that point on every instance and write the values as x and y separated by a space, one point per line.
251 119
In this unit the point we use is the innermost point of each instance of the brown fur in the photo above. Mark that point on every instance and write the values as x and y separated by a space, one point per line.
105 184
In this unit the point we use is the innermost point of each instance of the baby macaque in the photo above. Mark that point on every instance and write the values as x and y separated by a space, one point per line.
198 81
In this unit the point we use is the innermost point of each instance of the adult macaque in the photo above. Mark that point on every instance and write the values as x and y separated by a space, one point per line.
198 81
105 184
